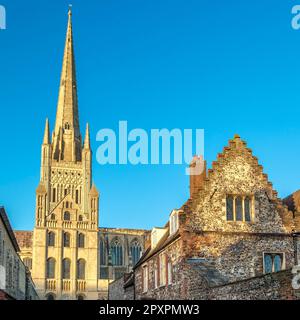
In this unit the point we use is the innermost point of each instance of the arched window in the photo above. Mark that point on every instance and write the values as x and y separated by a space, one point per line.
67 126
81 269
66 268
102 253
116 253
67 216
50 296
80 297
81 239
67 240
238 209
80 218
51 268
135 251
28 263
51 239
229 208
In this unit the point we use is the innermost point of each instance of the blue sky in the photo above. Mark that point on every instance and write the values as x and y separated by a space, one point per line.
228 67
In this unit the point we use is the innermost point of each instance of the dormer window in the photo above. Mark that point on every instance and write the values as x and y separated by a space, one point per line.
173 222
239 208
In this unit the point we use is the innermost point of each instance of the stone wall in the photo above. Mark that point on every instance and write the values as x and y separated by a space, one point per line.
276 286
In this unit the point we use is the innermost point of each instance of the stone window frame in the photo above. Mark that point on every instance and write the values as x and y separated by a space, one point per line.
162 270
174 222
170 272
145 278
274 253
243 196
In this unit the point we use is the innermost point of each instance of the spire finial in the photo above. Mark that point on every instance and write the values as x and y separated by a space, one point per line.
70 10
47 133
87 144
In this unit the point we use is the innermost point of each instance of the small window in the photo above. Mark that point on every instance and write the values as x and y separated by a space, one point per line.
67 216
53 216
67 240
81 239
53 194
50 296
80 219
51 268
162 270
173 222
51 239
273 262
229 208
239 208
66 266
145 279
81 269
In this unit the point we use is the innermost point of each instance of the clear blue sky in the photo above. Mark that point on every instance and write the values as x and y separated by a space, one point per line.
225 66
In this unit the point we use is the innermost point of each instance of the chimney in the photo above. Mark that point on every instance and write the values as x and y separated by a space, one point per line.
197 174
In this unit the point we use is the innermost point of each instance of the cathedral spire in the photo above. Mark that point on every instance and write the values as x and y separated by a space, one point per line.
47 133
67 131
87 144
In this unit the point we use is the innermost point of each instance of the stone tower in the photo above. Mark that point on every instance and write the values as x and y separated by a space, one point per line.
66 226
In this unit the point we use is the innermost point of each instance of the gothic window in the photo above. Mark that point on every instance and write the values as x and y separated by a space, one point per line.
102 253
67 240
28 263
66 269
50 296
273 262
239 208
51 239
116 253
67 216
229 208
81 239
80 219
51 268
103 273
81 269
67 126
135 252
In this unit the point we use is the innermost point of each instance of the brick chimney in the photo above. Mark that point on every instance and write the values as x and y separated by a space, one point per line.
197 174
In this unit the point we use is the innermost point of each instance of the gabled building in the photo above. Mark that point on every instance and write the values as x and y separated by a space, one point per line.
233 239
15 278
